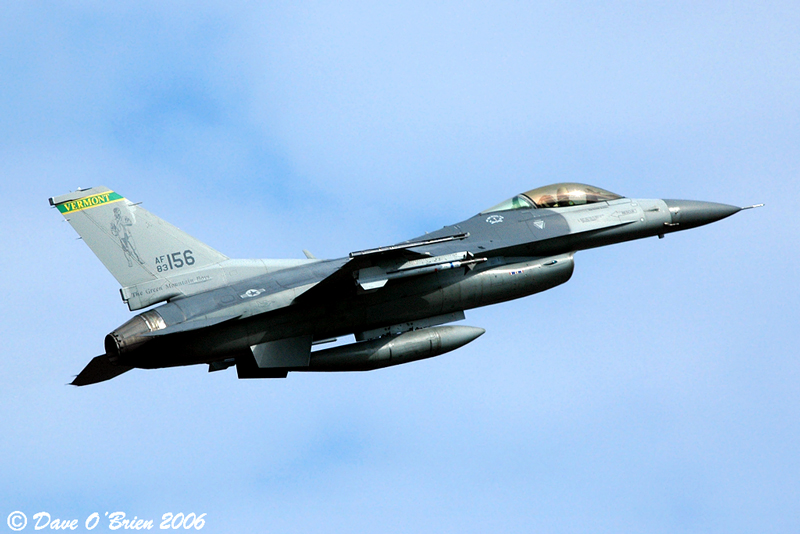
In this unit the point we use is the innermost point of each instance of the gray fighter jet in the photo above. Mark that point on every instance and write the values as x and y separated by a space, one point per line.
266 316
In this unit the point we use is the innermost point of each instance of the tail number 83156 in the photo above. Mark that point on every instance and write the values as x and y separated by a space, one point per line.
175 260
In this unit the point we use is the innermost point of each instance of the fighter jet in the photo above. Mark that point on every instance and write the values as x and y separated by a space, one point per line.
267 317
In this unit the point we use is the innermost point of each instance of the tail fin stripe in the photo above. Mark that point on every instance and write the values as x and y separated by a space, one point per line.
89 202
133 244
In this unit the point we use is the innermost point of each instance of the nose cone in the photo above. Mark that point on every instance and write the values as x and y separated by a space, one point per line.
691 213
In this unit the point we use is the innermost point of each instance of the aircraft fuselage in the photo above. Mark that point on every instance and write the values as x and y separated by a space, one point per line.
526 251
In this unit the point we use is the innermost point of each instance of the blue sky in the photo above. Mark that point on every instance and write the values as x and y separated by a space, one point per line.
657 391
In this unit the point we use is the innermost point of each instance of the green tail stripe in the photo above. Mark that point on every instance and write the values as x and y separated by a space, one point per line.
88 202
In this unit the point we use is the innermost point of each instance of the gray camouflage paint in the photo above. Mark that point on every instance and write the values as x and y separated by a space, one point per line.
263 315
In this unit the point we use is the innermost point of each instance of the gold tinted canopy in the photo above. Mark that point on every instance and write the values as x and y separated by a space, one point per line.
556 196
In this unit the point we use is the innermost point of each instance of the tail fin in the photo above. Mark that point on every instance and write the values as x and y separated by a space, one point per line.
133 244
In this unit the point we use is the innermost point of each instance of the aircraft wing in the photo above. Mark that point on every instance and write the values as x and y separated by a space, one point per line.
404 248
371 269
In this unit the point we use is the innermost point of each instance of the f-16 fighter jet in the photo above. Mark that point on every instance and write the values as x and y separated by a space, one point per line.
266 317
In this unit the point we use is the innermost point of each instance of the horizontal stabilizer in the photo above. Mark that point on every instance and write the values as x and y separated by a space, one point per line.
99 370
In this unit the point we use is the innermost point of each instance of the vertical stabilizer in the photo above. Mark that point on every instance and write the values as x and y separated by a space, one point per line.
133 244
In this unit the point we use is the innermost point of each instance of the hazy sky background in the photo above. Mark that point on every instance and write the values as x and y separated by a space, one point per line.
657 391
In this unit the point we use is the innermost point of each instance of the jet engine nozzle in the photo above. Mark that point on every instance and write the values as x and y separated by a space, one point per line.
129 336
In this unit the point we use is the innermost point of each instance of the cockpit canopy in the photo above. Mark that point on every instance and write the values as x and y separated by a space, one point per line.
556 196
